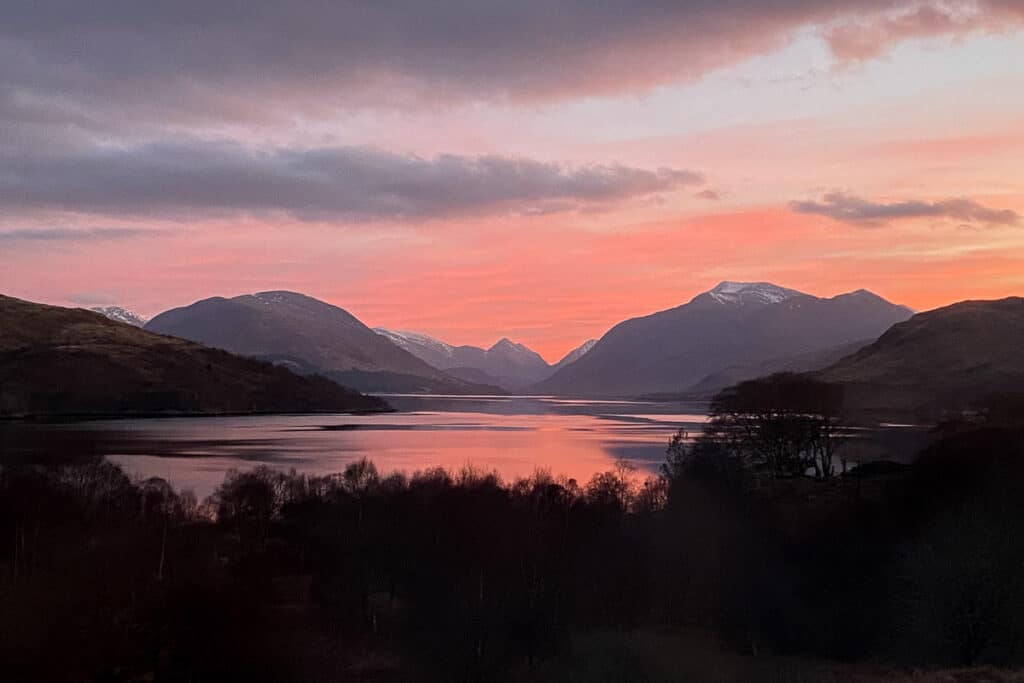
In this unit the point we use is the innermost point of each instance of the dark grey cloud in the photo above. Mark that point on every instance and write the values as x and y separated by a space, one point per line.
87 61
323 183
74 72
65 234
859 211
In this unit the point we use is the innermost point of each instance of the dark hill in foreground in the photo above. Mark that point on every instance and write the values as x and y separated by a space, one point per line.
950 358
61 361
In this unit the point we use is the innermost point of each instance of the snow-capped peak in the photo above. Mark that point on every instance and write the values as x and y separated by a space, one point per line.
751 292
121 315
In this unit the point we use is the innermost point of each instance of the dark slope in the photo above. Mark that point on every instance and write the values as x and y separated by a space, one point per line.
949 358
59 361
801 362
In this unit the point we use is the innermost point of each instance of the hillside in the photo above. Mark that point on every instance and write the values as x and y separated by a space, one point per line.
59 361
800 362
732 325
947 358
308 335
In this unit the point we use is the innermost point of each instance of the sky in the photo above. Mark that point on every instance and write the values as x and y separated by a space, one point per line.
537 171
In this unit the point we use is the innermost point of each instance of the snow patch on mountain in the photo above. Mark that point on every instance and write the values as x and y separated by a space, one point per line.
410 340
733 293
269 298
121 315
577 353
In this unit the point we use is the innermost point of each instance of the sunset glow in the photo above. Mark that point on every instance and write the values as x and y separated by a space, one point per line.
523 182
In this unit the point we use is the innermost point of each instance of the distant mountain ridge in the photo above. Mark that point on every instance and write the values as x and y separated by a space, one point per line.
307 335
733 325
121 315
510 365
62 361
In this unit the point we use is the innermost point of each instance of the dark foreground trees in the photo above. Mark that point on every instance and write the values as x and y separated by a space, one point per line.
460 576
786 425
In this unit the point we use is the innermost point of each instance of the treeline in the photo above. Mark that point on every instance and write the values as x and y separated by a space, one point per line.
461 576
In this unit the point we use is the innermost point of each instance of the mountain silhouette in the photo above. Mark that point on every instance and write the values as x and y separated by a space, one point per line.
307 335
734 324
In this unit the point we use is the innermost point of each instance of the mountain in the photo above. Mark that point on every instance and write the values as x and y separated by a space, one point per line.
308 336
510 365
121 315
515 365
576 353
736 324
948 358
59 361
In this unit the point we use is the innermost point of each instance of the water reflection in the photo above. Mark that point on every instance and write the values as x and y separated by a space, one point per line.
513 435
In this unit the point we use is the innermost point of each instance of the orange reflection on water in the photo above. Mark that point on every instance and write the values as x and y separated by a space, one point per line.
514 437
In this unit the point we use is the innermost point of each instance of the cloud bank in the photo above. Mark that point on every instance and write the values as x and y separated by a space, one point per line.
65 234
857 211
340 183
198 59
101 102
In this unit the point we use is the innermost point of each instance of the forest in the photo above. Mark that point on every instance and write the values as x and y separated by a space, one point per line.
755 553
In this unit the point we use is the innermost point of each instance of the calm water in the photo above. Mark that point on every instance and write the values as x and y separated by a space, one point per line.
513 435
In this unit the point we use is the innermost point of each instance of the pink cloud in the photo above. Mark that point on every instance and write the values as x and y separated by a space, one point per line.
858 38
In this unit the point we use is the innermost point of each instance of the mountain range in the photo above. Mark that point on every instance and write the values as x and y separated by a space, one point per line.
738 327
73 360
308 336
60 361
732 332
506 364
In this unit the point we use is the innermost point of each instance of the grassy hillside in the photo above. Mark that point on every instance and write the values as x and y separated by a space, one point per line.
949 358
59 361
